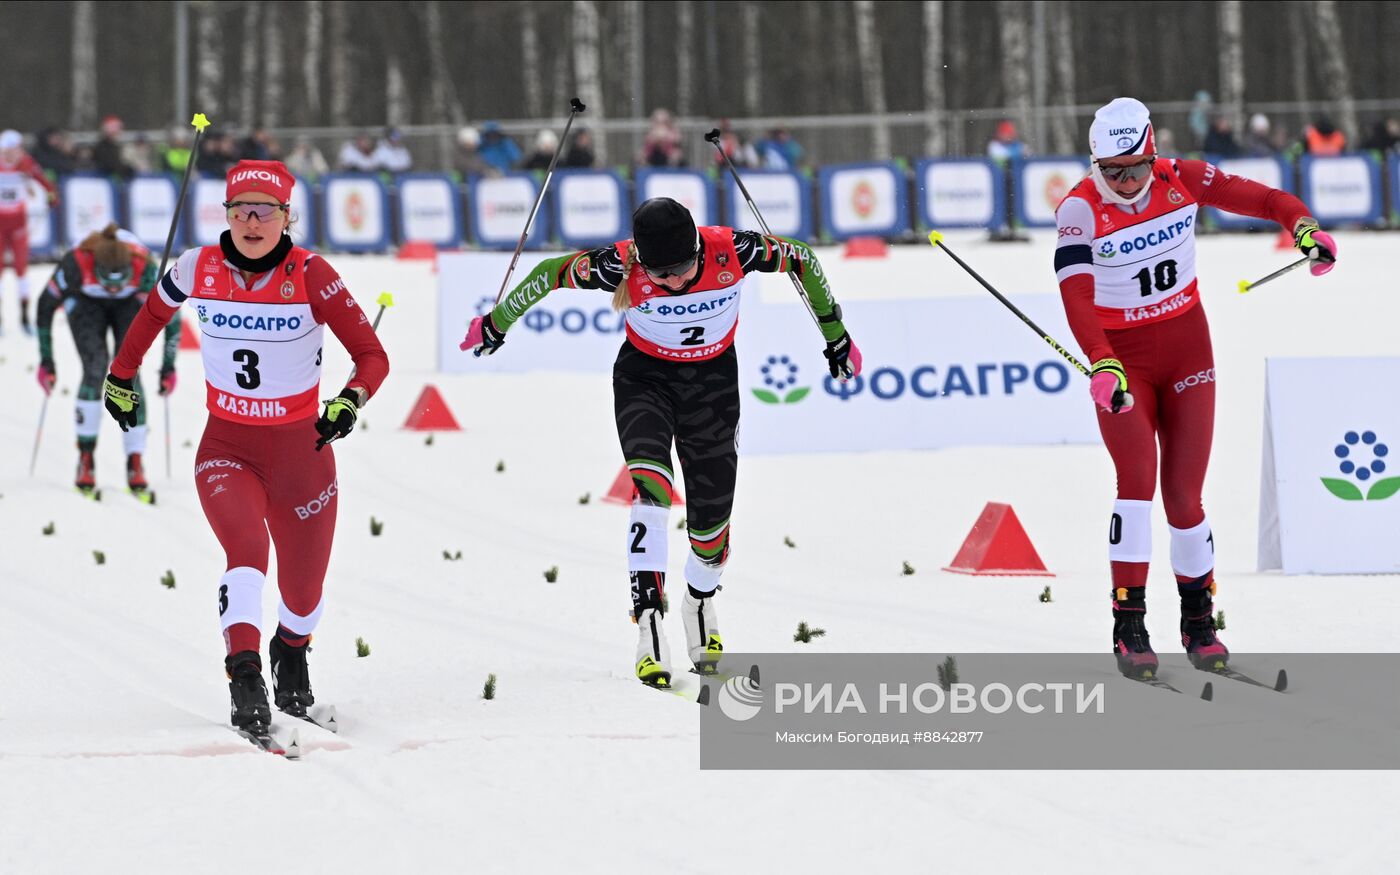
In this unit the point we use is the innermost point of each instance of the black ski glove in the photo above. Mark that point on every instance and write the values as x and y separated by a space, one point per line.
338 418
842 357
121 401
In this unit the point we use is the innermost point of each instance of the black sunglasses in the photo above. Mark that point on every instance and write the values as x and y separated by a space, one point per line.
661 273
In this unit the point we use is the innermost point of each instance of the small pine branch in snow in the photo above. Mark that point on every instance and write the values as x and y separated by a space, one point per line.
99 557
361 648
450 557
1219 621
428 441
948 673
788 541
585 498
552 574
1045 595
500 469
48 530
489 690
375 527
680 524
908 569
167 579
806 633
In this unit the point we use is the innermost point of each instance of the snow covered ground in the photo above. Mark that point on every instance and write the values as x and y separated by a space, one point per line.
113 756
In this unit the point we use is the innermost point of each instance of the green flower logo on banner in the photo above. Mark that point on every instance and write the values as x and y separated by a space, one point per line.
779 373
1363 458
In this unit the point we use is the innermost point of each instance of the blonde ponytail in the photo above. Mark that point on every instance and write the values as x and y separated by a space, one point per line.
622 295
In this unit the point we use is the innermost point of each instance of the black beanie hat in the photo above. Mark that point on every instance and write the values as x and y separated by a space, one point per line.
664 233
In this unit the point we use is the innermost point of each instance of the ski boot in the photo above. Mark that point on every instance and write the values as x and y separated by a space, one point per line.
249 711
653 659
1203 648
702 638
1131 645
291 683
136 479
86 477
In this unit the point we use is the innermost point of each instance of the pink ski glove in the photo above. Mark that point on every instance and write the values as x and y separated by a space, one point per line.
482 337
1315 244
1108 386
856 359
46 376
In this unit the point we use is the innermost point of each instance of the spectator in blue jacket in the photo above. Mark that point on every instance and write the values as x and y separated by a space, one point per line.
497 149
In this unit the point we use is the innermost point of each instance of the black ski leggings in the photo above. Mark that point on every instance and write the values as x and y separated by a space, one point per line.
90 320
696 406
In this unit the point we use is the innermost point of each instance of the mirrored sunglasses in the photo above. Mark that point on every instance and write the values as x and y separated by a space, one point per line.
1131 171
243 211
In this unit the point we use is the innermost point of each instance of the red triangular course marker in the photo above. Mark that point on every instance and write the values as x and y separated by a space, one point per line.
998 546
188 338
622 490
431 413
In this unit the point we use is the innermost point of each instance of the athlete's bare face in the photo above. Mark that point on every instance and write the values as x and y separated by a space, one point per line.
1125 185
253 237
10 156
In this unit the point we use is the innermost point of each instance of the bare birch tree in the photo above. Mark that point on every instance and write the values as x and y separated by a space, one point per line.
274 74
1231 48
337 14
1336 73
751 58
1016 61
251 15
1064 128
311 61
872 76
935 101
1298 41
530 58
588 71
685 58
396 103
447 105
83 113
209 68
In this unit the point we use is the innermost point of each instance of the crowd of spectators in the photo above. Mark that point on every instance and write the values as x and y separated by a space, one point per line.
488 150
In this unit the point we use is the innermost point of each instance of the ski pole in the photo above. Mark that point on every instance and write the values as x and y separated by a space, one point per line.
575 107
199 122
166 399
385 301
713 138
937 240
38 433
1246 285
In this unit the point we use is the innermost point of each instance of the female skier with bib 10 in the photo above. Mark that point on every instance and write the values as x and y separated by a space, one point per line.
262 303
676 380
1126 264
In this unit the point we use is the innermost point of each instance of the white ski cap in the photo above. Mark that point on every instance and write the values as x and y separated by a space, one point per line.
10 140
1123 127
